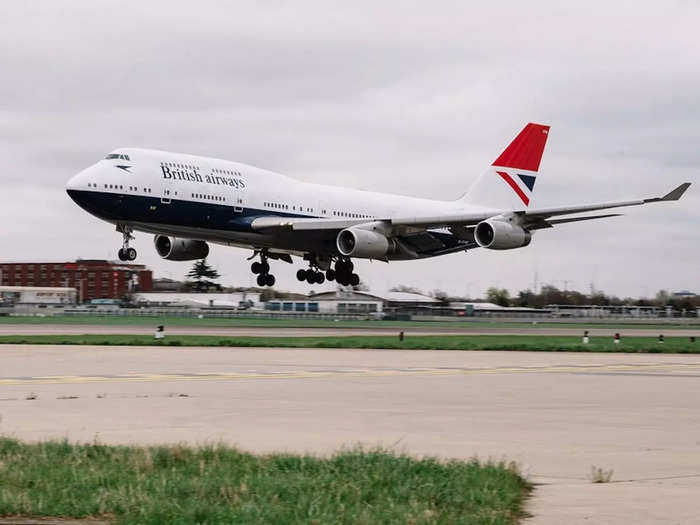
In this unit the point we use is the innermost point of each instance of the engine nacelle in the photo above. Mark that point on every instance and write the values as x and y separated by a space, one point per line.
357 242
174 249
501 235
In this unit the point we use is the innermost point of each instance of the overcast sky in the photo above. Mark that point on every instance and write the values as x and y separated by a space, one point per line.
412 98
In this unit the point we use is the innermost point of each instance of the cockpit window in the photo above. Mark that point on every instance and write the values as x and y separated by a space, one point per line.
117 156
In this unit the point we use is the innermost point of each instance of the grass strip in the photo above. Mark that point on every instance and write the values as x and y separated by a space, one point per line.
538 343
219 484
211 322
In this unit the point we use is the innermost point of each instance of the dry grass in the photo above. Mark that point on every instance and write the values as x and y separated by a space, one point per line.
600 475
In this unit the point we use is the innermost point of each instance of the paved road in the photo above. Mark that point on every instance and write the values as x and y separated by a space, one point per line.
555 414
65 329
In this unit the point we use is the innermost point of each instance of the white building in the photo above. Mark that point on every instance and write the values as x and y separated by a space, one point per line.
198 300
354 303
328 303
36 295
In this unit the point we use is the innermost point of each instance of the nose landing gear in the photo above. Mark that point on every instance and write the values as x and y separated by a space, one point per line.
126 253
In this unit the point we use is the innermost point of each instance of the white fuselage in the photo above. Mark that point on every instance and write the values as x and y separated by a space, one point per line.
212 199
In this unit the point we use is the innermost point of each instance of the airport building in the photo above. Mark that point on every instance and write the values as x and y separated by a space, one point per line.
35 295
484 309
355 303
222 300
92 278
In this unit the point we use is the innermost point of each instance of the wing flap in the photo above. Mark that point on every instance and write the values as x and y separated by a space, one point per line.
539 224
588 218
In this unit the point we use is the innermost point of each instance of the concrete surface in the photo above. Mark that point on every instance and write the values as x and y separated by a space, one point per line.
233 331
557 414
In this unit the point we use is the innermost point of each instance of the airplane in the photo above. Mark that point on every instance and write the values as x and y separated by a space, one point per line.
188 201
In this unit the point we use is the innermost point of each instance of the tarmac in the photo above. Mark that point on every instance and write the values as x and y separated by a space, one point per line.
556 414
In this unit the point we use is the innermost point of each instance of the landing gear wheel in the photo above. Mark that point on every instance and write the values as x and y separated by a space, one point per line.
125 253
310 277
320 278
330 274
354 279
255 267
301 275
270 280
264 267
262 280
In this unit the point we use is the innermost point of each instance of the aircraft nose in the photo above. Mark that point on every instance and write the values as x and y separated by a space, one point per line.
74 182
82 180
80 185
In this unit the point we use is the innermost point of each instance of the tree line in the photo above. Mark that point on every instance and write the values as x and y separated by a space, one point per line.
550 294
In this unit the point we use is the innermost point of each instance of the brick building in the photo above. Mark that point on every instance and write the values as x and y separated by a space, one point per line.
93 278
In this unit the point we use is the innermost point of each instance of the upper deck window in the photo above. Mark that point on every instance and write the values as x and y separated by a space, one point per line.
117 156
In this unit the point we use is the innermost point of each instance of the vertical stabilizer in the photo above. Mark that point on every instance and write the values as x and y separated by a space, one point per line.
509 182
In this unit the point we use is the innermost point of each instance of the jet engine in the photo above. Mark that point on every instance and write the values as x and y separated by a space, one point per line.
501 235
174 249
357 242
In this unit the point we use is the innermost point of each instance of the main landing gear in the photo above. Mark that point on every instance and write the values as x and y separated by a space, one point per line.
313 276
262 270
125 253
343 274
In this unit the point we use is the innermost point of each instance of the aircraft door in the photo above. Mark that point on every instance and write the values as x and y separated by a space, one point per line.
239 196
166 189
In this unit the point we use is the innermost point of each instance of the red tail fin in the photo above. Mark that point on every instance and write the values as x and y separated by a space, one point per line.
525 152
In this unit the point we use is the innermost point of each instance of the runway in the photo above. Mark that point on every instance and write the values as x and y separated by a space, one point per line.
272 331
557 414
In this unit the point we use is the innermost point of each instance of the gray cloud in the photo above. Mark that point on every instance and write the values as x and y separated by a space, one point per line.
405 97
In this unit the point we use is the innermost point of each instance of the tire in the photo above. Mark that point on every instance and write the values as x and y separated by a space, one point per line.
121 254
310 277
341 280
344 267
255 267
354 279
262 280
330 274
270 279
301 275
131 254
320 278
264 267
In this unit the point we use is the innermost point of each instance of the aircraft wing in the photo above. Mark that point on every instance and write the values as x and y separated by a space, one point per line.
534 219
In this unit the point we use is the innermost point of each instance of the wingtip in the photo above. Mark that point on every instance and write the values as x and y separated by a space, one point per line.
676 193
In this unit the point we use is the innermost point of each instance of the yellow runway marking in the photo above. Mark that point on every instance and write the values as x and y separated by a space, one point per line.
675 368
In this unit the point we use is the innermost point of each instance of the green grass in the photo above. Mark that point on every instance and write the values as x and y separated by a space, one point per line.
410 342
218 484
213 322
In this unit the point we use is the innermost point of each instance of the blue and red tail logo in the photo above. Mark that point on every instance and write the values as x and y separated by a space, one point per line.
525 185
523 154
